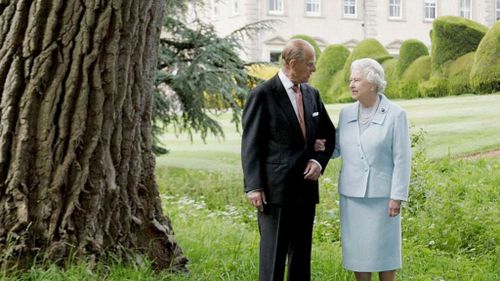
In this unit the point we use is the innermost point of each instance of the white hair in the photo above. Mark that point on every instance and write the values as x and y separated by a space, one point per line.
371 71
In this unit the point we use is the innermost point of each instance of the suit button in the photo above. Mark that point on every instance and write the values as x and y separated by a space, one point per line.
362 157
366 169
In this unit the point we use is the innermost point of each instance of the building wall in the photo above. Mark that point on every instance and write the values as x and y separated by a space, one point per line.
332 27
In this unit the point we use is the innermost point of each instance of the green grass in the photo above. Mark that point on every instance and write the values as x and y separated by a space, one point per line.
451 225
454 125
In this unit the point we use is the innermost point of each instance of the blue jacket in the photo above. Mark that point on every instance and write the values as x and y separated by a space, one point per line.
376 164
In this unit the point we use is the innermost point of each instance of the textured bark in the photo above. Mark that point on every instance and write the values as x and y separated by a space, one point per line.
76 166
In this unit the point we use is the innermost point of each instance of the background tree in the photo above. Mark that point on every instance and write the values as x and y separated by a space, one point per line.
200 74
76 166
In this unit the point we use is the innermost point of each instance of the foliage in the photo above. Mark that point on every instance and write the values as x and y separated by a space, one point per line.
312 41
453 37
485 73
458 72
199 73
410 50
418 71
262 71
331 61
392 88
368 48
434 87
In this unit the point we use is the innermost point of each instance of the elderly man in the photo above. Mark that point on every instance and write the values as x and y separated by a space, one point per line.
281 120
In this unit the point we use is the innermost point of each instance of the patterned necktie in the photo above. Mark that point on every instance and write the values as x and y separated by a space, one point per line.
300 109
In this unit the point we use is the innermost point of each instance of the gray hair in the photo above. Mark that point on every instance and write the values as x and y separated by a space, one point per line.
295 49
372 71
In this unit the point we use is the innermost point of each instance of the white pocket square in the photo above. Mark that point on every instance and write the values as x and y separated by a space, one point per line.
315 114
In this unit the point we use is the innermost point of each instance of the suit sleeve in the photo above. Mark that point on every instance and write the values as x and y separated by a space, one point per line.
326 130
401 152
337 152
253 142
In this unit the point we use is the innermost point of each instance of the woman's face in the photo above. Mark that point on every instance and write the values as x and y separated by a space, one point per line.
360 87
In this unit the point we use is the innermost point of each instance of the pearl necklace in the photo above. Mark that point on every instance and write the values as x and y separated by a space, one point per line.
366 113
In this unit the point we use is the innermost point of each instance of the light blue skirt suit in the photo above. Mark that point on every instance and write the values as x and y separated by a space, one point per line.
376 167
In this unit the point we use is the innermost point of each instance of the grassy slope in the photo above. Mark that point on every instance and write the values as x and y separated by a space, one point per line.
454 125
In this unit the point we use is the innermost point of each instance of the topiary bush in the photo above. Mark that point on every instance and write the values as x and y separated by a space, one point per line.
331 61
435 87
368 48
410 51
458 72
485 72
392 88
339 88
312 41
453 37
418 71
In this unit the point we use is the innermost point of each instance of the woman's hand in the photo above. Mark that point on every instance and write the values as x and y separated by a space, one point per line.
319 145
394 207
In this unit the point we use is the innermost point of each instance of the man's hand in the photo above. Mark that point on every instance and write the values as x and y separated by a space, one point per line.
257 198
394 207
319 145
312 171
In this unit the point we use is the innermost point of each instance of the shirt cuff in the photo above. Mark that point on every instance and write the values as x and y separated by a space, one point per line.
254 190
315 161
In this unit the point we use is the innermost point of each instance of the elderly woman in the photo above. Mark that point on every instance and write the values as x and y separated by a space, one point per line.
374 143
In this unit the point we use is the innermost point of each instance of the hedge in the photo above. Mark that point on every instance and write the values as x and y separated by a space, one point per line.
458 72
331 61
453 37
368 48
485 72
392 89
418 71
410 50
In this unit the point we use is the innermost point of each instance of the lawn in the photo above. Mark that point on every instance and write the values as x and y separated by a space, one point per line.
451 225
453 125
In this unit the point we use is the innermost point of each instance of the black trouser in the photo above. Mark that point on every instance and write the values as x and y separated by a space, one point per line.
286 232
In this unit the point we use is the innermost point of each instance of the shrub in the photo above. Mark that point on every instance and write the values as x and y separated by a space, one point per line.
410 51
392 88
311 40
368 48
435 87
458 74
331 61
418 71
485 72
262 71
339 88
453 37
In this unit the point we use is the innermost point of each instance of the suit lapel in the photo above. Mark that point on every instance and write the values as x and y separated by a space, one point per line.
308 109
284 103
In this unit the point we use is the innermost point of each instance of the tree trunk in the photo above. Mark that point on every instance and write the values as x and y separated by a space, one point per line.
76 167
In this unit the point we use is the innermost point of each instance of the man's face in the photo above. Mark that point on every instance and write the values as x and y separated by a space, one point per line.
301 70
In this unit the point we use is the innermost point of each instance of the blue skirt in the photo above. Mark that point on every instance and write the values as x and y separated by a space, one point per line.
371 240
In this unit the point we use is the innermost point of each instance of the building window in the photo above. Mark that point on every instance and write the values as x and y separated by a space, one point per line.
276 7
350 8
429 10
395 9
313 7
498 9
465 9
274 56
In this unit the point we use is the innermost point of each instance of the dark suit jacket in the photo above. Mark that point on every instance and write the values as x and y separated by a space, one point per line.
274 153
